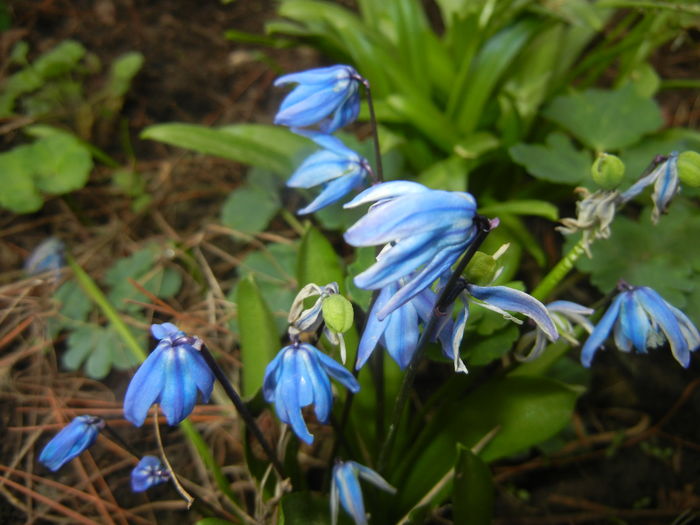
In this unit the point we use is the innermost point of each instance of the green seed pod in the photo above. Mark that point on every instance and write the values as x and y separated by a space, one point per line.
337 313
481 270
689 168
607 171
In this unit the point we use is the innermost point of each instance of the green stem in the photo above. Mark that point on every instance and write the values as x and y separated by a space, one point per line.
293 221
560 270
379 174
445 299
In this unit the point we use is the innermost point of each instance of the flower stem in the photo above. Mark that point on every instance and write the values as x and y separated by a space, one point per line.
445 299
242 409
556 274
378 174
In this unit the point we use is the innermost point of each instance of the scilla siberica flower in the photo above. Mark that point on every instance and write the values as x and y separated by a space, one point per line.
149 472
664 177
71 441
425 232
170 376
345 488
640 318
298 377
338 168
328 96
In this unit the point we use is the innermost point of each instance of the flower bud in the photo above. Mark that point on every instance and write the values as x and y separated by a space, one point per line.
337 313
481 270
607 171
689 168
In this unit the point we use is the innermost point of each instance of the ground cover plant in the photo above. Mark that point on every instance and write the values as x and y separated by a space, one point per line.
491 192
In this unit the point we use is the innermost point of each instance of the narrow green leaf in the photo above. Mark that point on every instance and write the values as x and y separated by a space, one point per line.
258 335
268 147
121 73
472 496
533 207
318 263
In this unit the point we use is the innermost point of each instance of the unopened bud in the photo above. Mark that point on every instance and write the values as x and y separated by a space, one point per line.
481 270
607 171
689 168
337 313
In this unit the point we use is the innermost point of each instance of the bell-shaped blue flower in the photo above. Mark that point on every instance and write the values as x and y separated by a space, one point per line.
640 318
148 472
71 441
664 177
170 376
298 377
327 96
425 232
338 168
345 488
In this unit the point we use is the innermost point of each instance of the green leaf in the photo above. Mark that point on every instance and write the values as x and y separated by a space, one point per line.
473 495
121 73
606 120
525 410
249 209
305 508
556 161
19 194
75 305
60 60
486 349
214 521
318 263
268 147
258 335
522 207
80 344
61 164
99 349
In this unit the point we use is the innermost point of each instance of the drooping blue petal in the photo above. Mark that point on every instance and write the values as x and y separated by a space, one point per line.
71 441
514 300
321 75
179 391
666 186
374 328
601 331
401 334
662 315
347 112
314 107
634 321
373 477
622 342
200 372
147 473
349 492
321 385
337 371
334 191
272 374
145 387
287 397
321 167
456 340
689 330
161 331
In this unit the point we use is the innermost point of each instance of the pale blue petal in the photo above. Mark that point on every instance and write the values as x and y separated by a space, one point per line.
201 373
161 331
146 385
179 393
321 385
321 75
623 342
374 328
662 315
287 399
350 492
601 331
569 307
310 110
667 185
401 334
690 332
336 371
634 322
456 340
386 190
70 442
513 300
639 186
148 473
346 113
331 143
319 168
334 191
272 373
374 478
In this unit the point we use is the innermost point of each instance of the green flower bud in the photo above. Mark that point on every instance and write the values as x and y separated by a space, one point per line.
337 313
607 171
481 270
689 168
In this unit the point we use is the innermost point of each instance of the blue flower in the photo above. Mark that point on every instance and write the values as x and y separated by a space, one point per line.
640 318
664 177
147 473
328 96
170 376
71 441
423 229
298 377
338 168
345 487
49 255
